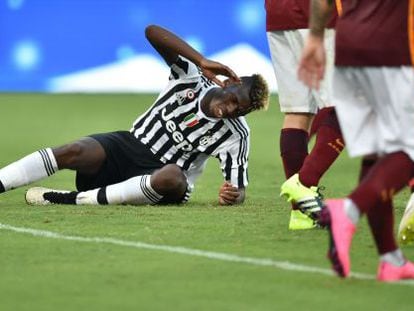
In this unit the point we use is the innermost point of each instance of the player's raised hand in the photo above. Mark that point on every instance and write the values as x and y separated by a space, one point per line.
212 69
228 194
312 63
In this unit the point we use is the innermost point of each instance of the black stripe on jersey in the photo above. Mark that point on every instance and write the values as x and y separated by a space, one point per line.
182 64
157 135
244 134
207 82
214 146
47 162
101 197
227 168
176 156
173 106
190 160
2 189
196 142
216 128
149 127
163 99
174 74
165 147
240 179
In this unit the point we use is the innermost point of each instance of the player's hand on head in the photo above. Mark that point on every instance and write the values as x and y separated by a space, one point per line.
312 63
212 69
228 194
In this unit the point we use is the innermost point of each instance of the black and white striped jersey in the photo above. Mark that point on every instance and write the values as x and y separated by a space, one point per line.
177 131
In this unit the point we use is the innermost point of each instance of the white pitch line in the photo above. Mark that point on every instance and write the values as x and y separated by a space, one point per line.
283 265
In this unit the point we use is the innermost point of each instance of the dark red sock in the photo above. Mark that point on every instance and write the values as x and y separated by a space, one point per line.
381 222
329 144
381 217
293 149
366 165
318 120
388 176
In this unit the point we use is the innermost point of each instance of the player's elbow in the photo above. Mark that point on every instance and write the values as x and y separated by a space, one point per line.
150 31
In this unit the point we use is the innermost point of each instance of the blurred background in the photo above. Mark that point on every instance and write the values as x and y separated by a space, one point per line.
99 45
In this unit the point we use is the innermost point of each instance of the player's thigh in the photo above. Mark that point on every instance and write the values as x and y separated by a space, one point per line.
84 155
355 111
285 48
323 96
393 89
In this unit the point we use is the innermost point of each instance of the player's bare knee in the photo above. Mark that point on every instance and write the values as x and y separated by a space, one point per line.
169 180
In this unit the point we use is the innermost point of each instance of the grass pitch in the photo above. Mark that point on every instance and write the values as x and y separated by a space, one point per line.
40 273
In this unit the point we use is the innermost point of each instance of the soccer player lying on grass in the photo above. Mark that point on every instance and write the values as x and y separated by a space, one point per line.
196 117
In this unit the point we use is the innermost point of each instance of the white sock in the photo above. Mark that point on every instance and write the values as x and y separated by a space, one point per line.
396 258
35 166
135 191
352 211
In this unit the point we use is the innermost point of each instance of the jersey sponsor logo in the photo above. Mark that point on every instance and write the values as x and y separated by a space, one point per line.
177 136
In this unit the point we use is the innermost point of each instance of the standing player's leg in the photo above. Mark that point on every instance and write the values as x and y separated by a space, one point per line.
302 187
166 185
85 155
372 127
294 99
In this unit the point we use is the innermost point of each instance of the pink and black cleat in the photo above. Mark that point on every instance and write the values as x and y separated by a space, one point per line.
341 231
390 273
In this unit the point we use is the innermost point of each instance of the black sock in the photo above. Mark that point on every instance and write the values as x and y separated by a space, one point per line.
61 198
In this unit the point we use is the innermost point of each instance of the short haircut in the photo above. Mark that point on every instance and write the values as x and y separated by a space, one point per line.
258 93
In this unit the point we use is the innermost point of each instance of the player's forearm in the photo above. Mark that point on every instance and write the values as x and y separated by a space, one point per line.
320 13
164 41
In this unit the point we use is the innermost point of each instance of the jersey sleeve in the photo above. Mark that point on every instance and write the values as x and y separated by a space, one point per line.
234 162
183 68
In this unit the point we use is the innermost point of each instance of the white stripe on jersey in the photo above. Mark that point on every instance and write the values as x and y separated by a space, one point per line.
177 131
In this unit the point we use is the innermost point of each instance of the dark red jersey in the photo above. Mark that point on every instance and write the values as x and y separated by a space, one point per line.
286 14
374 33
289 14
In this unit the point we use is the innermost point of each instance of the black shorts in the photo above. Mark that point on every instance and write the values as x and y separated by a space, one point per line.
126 157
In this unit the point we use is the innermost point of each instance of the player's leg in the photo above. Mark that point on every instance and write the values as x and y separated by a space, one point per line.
373 197
294 141
381 222
166 185
328 146
285 47
85 155
317 121
376 129
302 188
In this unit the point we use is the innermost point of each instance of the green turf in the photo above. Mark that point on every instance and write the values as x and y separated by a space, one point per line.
38 273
